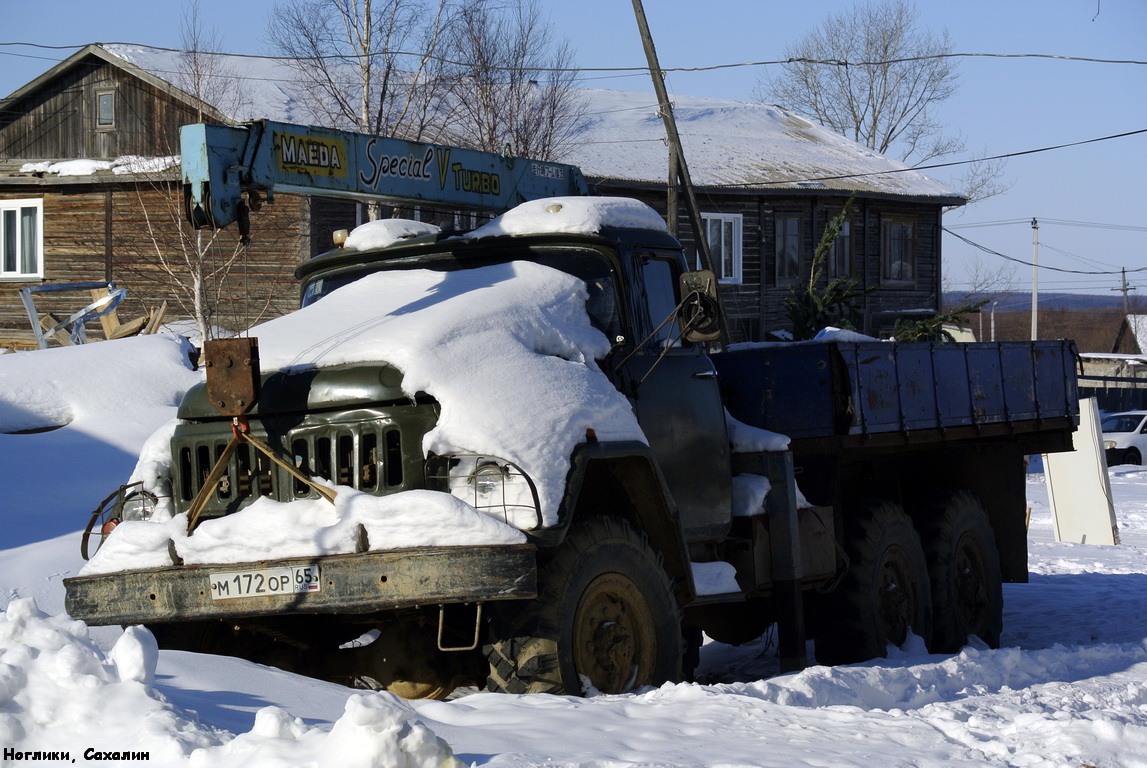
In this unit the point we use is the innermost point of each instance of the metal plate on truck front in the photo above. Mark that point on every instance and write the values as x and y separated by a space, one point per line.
260 582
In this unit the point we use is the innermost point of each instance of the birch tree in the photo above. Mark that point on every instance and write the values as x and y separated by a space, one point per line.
511 82
873 74
362 65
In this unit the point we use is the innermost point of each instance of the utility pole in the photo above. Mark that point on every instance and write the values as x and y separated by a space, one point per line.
1125 288
679 169
676 152
1035 279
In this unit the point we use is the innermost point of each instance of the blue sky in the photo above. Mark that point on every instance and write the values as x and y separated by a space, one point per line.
1003 105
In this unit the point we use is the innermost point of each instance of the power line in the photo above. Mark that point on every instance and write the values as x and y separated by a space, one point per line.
986 249
708 68
935 165
1093 225
1042 220
837 177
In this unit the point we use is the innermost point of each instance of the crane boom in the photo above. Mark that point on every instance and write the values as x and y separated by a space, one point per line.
223 166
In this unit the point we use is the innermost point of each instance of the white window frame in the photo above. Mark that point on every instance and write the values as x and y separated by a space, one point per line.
735 221
100 94
11 211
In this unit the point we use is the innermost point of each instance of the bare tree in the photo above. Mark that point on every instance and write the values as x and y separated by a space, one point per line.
203 73
158 248
983 281
872 74
512 83
362 64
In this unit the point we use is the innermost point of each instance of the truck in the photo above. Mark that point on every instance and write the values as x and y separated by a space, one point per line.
849 491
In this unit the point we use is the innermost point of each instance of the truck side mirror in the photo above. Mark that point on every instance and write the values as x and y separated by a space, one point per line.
700 316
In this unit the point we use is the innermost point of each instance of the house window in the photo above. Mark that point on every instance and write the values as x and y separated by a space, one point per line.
897 251
21 239
840 255
788 247
105 109
723 231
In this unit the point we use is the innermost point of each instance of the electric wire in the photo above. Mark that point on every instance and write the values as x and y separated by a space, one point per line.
988 250
707 68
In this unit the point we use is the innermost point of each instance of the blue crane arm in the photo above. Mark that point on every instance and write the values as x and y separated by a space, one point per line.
225 165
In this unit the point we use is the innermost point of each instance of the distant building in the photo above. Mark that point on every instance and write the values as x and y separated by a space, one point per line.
767 181
1131 338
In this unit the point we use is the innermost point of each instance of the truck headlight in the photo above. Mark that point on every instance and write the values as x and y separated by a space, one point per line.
138 505
495 486
1108 444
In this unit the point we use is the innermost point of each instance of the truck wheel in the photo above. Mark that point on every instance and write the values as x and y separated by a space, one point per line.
1132 457
605 617
964 565
883 595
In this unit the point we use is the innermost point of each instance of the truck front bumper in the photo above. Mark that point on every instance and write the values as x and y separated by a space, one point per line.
348 584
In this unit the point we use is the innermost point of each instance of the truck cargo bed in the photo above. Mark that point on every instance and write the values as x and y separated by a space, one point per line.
865 390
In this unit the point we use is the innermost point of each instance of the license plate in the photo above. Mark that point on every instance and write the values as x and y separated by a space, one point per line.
263 582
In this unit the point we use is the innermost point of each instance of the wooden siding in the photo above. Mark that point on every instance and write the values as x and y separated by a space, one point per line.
756 306
118 231
59 119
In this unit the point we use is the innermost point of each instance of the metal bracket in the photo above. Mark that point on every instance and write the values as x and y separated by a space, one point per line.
477 629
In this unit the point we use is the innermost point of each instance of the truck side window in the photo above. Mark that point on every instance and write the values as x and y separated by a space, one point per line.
602 306
659 280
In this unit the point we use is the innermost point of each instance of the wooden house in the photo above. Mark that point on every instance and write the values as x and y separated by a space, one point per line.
768 183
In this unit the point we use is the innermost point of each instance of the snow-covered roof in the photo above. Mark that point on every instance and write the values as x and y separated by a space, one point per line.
736 144
1137 324
731 144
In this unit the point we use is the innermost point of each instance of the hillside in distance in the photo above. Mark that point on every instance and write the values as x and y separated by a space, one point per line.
1022 301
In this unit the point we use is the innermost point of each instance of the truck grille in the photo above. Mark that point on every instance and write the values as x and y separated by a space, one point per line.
367 457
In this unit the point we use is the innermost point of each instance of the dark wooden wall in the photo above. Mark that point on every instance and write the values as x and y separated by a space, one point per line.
59 120
756 306
118 230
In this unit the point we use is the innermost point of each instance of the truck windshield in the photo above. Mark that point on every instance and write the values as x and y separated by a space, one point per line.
604 303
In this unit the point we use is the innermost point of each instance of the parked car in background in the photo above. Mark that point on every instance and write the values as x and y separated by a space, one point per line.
1124 437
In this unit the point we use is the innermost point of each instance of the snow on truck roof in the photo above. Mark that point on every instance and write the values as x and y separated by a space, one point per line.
552 215
572 215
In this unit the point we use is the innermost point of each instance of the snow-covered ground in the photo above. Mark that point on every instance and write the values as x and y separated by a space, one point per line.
1068 687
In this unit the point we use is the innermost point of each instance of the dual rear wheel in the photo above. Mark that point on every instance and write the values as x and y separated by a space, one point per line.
938 579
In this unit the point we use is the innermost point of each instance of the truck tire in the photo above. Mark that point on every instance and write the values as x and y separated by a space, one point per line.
964 567
605 617
882 596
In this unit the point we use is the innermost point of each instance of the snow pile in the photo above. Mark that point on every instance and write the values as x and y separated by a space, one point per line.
100 401
745 438
749 492
304 528
121 165
52 387
60 693
578 215
507 350
375 731
384 232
